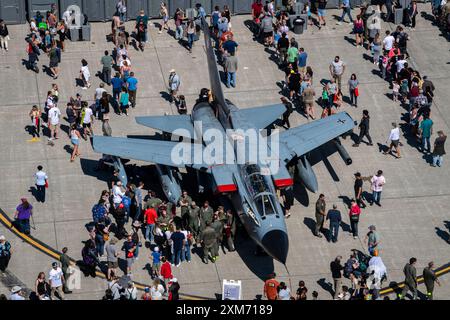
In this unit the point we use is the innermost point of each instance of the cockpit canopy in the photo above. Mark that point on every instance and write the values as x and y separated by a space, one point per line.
259 189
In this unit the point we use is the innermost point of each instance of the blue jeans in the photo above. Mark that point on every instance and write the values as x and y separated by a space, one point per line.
334 229
187 252
346 11
100 244
179 32
176 257
438 160
426 144
231 79
123 16
376 196
149 232
191 39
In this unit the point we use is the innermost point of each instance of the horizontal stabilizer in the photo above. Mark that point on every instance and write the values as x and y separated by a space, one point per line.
180 125
263 117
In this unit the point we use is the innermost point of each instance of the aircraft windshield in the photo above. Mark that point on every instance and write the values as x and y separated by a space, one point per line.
259 189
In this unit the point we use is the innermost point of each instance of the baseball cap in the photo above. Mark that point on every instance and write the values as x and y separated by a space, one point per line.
156 249
54 264
357 174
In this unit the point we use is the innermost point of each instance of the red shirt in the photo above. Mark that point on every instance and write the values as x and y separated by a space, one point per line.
150 216
271 289
166 270
355 210
257 9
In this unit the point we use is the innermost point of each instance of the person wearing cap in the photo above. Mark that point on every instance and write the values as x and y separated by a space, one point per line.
377 183
16 294
5 253
429 278
146 295
174 288
56 280
364 129
156 262
334 215
358 187
373 240
394 137
23 213
174 85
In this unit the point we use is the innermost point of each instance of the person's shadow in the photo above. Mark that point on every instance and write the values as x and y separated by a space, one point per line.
34 192
325 285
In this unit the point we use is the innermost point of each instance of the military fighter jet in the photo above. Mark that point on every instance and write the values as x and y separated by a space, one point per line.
251 186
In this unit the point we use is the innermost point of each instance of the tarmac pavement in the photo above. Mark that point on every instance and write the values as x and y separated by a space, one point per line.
415 199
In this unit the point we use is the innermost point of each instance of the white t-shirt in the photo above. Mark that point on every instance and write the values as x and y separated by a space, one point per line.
127 60
400 65
388 42
56 277
86 73
16 297
117 194
285 294
157 293
54 115
40 176
395 134
377 183
67 17
99 93
87 115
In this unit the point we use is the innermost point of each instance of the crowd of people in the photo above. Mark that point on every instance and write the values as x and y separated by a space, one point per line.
127 223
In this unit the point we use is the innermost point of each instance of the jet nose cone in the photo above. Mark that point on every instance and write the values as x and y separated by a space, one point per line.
276 244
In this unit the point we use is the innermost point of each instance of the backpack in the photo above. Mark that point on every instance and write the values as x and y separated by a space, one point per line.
98 212
126 201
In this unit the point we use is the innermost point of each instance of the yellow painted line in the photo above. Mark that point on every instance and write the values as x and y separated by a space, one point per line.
4 219
33 140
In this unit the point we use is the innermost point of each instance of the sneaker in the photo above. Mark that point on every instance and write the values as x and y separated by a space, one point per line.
355 145
178 265
84 88
338 23
355 237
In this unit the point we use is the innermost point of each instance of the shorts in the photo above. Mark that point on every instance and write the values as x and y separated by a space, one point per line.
75 142
165 18
86 125
156 267
395 143
268 34
53 126
113 265
53 64
321 12
130 262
